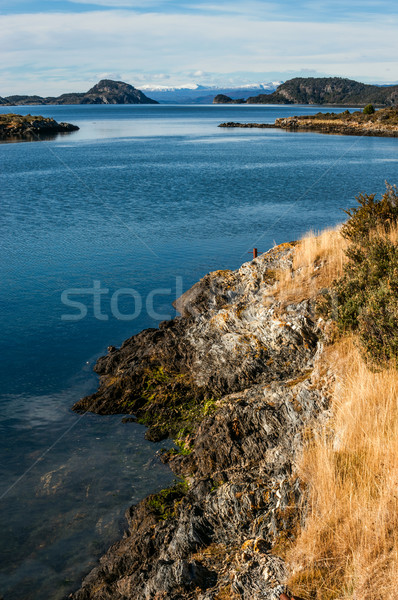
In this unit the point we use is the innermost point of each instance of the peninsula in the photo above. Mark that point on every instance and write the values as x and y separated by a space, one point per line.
31 127
381 123
105 91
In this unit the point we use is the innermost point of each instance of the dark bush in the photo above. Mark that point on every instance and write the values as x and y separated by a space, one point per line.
371 214
378 325
366 297
371 265
369 109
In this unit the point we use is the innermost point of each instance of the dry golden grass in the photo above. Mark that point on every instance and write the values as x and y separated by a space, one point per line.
318 261
349 546
391 234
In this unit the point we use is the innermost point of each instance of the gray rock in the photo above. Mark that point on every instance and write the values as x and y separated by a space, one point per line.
261 363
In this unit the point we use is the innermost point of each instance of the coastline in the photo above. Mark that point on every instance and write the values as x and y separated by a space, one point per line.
381 123
250 366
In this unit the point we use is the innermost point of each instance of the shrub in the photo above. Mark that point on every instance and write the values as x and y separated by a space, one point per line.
369 109
371 214
367 293
368 297
378 325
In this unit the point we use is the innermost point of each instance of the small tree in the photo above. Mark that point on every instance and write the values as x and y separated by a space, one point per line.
369 109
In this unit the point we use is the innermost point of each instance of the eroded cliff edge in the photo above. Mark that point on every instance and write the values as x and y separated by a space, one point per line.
238 381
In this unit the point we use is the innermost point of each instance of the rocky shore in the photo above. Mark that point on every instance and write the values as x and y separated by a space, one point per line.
238 382
31 127
381 123
248 125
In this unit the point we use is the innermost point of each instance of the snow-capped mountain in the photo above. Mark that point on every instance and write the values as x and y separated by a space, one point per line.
193 93
165 88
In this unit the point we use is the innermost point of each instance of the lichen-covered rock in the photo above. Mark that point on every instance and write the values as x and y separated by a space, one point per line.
250 373
229 337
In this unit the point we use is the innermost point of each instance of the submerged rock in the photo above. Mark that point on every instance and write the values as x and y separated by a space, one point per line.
236 379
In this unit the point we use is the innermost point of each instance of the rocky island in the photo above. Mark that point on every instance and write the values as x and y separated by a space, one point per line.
382 123
265 401
31 127
223 99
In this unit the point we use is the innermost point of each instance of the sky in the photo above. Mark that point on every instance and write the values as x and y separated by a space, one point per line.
48 47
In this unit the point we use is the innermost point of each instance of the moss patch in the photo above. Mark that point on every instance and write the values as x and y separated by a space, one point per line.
165 503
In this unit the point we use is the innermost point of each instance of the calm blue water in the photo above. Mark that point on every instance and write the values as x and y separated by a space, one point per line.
140 203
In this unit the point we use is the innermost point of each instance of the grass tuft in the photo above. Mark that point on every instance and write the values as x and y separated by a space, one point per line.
318 260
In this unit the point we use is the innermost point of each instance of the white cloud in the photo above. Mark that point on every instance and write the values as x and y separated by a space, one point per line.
47 53
142 4
245 8
110 75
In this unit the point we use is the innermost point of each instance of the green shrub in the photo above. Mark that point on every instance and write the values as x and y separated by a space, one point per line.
370 214
367 294
370 281
369 109
378 325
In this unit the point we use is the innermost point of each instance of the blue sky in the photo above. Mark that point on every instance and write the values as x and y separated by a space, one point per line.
52 46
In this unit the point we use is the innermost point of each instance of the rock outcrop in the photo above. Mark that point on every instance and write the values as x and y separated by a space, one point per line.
104 92
236 380
31 127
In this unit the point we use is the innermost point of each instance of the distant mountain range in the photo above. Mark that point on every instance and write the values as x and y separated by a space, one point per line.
104 92
301 90
324 90
199 94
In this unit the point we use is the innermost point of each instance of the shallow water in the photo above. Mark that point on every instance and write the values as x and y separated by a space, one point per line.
143 200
